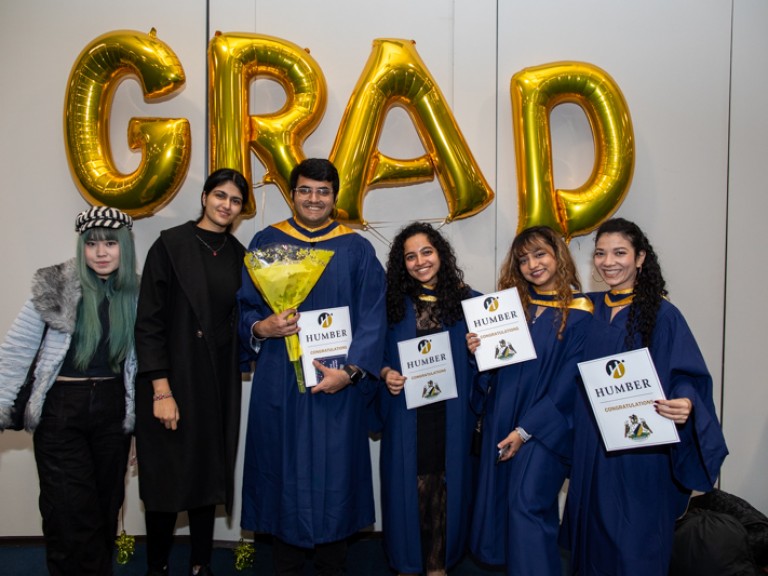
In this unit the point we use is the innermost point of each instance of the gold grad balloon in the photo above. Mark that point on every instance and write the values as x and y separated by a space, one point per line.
234 61
396 76
164 142
535 91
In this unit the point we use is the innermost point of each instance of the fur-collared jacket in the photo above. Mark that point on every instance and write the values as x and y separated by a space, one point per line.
55 295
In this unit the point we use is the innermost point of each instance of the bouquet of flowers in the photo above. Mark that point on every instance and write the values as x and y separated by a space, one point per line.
284 275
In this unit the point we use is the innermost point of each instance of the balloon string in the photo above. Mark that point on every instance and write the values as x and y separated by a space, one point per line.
439 221
376 233
263 200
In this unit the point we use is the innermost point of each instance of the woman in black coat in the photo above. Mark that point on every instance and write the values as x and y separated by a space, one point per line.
188 393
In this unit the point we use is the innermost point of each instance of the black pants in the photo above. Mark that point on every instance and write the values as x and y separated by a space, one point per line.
330 559
160 527
81 453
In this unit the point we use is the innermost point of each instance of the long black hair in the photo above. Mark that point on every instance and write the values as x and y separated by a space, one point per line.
650 287
221 176
450 289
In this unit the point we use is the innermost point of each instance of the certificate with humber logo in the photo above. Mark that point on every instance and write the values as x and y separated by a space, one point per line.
622 389
325 336
499 320
427 363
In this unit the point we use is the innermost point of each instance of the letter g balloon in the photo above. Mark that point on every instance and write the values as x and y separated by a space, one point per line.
164 142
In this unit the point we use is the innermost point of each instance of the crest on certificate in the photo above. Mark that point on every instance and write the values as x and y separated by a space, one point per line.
636 428
431 390
504 350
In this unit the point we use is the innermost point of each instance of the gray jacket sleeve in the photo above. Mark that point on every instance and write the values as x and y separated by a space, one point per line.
17 353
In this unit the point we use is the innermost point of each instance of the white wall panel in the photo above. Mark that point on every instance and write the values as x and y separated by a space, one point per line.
745 414
672 61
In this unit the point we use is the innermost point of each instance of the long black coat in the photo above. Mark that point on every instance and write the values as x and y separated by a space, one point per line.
194 465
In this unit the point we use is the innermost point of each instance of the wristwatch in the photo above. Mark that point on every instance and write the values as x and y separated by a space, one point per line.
524 436
354 373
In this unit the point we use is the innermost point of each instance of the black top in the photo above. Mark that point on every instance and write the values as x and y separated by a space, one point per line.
430 419
220 259
99 365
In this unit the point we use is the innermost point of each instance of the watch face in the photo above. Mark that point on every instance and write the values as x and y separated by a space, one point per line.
355 374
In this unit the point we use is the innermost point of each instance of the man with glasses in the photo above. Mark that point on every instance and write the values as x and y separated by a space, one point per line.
307 474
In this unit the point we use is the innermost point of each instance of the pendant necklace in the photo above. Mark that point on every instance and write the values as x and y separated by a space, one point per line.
214 251
539 312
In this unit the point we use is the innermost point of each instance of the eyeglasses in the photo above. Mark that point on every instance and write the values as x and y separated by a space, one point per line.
323 192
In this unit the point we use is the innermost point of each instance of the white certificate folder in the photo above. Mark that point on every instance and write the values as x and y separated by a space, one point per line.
499 321
622 389
427 363
325 336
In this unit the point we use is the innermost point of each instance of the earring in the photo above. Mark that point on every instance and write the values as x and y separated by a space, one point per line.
598 279
639 270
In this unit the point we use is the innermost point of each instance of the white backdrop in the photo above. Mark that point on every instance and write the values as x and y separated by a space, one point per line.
692 72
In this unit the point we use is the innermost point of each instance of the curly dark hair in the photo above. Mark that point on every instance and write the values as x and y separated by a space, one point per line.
566 277
650 287
450 289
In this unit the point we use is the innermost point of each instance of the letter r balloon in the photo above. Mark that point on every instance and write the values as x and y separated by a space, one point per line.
234 61
535 91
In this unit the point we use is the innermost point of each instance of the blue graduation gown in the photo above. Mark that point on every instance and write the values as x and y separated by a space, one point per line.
622 506
307 472
516 518
398 456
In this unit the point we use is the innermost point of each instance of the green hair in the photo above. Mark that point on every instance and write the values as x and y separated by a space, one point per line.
121 290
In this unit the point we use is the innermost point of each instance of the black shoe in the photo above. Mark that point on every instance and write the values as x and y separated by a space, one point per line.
204 571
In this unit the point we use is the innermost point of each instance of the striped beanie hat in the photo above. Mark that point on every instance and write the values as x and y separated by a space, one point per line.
102 217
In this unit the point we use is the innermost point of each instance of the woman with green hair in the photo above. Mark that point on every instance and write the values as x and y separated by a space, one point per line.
78 327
